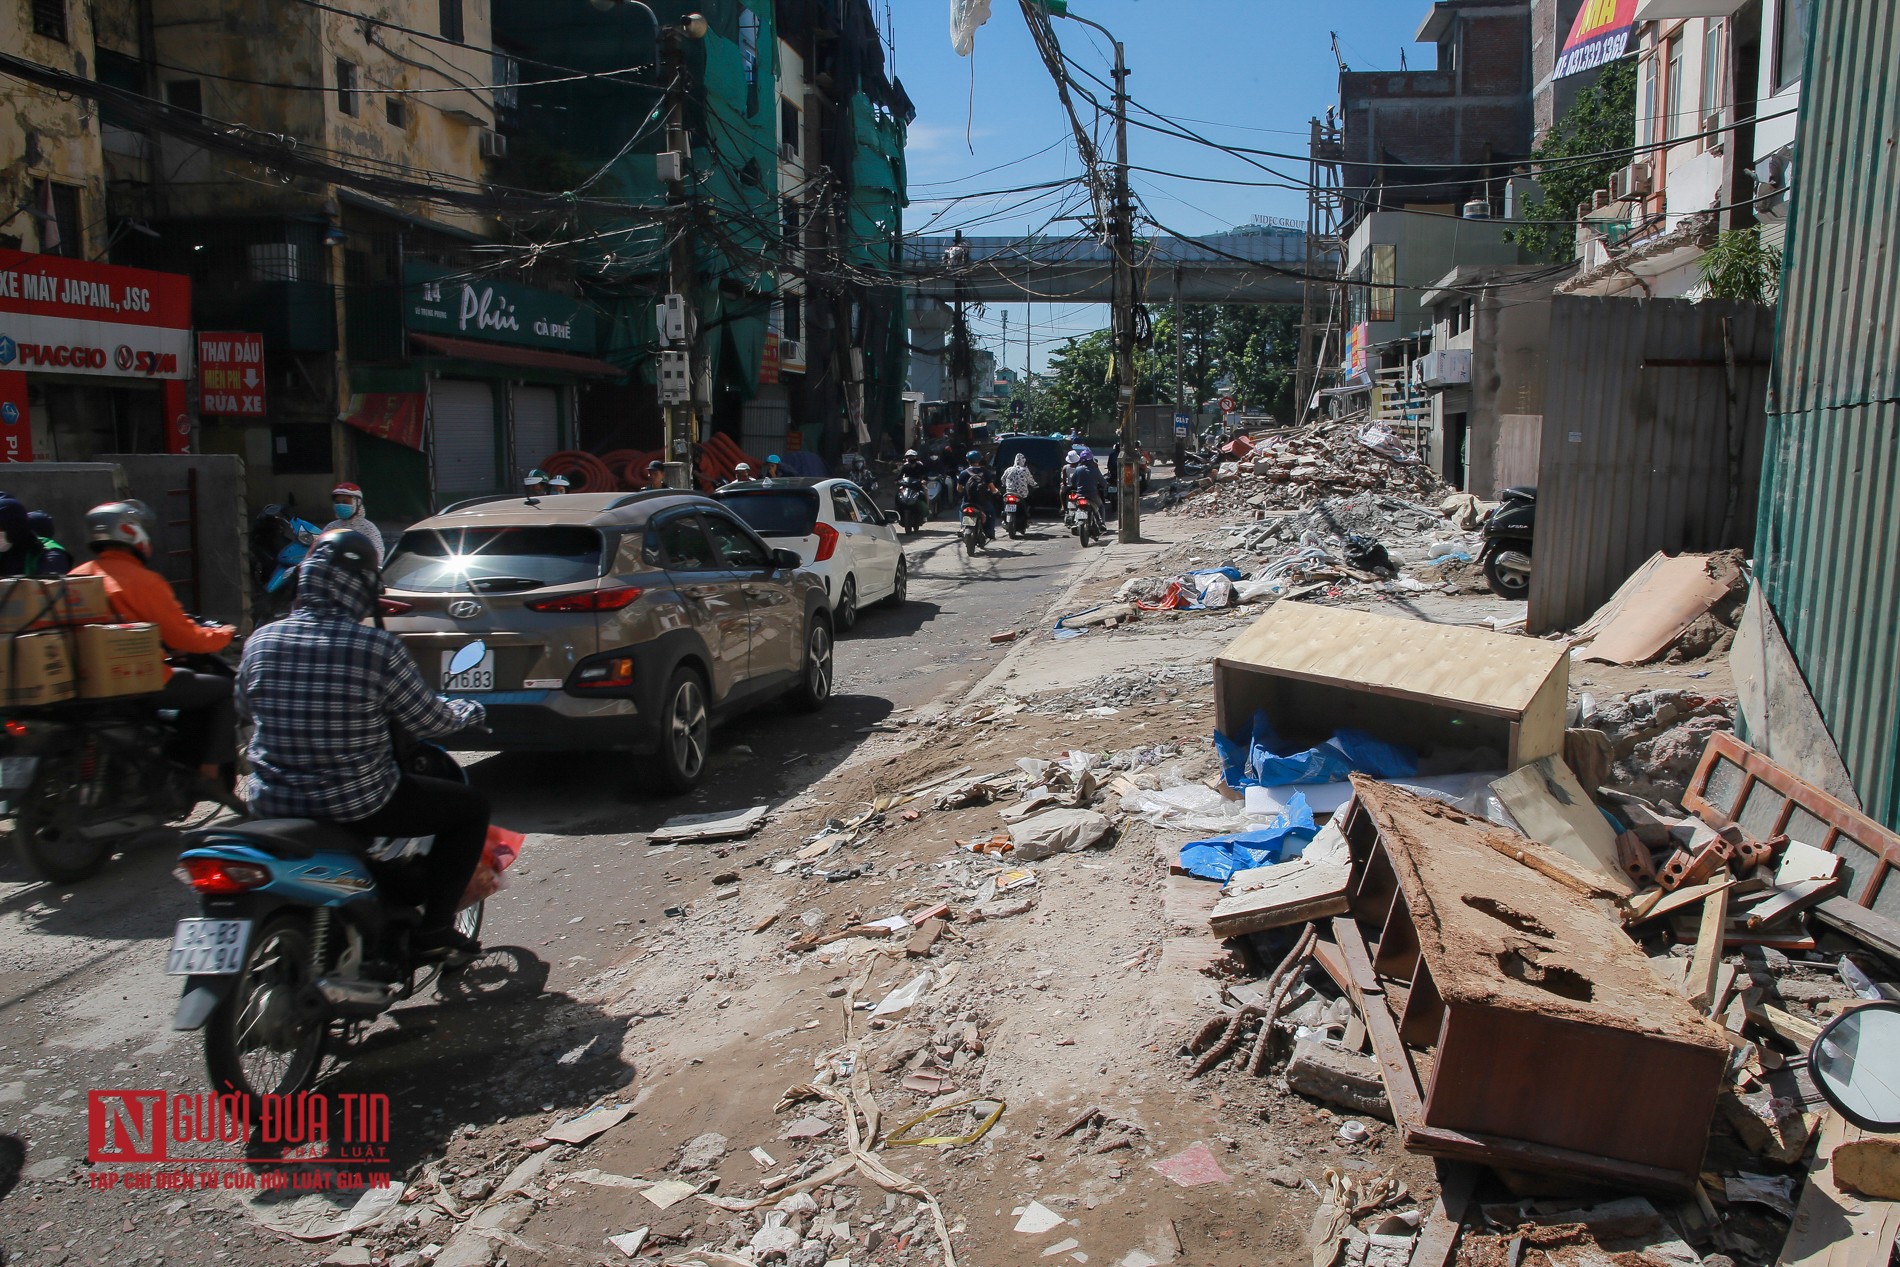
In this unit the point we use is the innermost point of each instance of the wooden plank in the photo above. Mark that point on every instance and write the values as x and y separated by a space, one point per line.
1295 892
1784 1025
1688 895
1552 865
1869 928
1784 902
1438 1235
1395 1067
1552 807
1834 1227
1707 960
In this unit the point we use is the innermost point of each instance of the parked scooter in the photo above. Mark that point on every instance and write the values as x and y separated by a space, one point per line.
1082 518
1507 544
1015 516
279 542
937 490
912 504
300 941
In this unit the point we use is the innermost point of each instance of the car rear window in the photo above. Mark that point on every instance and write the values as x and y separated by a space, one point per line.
1043 453
786 512
495 560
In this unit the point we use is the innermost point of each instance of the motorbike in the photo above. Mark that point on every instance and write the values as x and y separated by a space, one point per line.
1506 555
279 542
859 471
971 531
304 937
937 487
912 507
1081 519
1015 516
82 778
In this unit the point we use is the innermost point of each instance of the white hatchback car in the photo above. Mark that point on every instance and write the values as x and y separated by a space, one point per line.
836 529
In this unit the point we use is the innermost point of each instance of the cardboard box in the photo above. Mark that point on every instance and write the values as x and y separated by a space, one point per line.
43 604
119 660
40 668
79 600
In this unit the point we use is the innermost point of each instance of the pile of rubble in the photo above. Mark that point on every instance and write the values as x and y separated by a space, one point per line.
1298 468
1410 532
1655 738
1126 690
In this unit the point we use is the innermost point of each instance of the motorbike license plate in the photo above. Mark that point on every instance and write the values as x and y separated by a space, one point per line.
479 678
208 947
16 773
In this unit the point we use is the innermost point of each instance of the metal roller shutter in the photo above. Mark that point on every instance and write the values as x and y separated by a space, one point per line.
537 427
764 422
463 417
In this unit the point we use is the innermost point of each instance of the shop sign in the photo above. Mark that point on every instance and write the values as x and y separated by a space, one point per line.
67 316
231 374
394 416
449 302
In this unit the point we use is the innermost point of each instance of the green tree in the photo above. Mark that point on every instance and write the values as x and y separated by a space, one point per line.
1738 266
1076 392
1602 121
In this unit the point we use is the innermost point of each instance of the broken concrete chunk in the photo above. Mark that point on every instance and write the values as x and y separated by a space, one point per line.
1291 892
1334 1075
702 1152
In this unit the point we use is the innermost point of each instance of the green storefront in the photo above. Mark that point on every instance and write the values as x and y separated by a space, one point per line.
485 392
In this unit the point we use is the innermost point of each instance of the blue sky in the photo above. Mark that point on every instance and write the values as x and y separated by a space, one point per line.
1249 72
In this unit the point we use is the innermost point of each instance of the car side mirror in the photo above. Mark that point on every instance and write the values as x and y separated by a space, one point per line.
782 558
890 517
1854 1062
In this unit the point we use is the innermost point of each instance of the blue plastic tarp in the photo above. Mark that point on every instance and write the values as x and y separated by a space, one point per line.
1218 857
1265 761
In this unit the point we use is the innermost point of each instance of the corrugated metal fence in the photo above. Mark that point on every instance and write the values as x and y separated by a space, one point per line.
1829 558
1652 440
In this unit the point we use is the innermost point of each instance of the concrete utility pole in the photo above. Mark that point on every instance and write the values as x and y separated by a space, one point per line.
679 431
1121 238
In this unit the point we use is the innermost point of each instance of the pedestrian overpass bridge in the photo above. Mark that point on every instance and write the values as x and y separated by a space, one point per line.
1257 266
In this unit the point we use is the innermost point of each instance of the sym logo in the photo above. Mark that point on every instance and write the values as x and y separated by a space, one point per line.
465 609
9 350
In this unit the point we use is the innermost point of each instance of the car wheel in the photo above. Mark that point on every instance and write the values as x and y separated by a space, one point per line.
685 733
846 612
814 679
900 584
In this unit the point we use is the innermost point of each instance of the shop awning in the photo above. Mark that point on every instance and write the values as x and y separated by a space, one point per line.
504 354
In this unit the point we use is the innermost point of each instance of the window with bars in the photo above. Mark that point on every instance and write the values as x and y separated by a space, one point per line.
49 19
346 87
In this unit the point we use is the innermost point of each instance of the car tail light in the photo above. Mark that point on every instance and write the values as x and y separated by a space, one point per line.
394 607
605 673
216 877
607 600
16 730
827 541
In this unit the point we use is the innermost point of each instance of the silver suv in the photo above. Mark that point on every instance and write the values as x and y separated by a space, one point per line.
632 621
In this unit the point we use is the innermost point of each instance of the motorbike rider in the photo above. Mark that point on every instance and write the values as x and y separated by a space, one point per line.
323 690
978 488
912 467
1082 476
656 474
121 537
1018 480
772 471
740 474
26 550
347 501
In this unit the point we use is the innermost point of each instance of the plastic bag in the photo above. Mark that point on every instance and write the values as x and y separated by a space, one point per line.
499 852
1267 765
1376 757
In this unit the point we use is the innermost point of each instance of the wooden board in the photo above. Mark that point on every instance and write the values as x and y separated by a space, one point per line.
1652 608
1551 806
1470 668
1295 892
1700 981
1832 1226
1786 901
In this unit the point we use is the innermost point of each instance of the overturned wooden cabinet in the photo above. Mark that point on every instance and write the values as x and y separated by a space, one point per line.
1515 1023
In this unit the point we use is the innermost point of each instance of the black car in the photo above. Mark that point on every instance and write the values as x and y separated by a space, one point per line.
1045 455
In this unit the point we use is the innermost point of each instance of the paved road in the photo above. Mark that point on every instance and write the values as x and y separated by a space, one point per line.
84 1003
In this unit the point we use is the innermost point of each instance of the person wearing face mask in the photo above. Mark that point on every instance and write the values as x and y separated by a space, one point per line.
24 550
347 501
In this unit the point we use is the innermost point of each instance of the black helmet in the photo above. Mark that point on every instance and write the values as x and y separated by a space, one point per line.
349 551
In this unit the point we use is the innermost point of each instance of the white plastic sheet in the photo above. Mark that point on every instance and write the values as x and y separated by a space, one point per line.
965 17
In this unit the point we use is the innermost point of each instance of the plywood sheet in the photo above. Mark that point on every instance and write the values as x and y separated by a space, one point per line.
1653 607
1470 668
1832 1226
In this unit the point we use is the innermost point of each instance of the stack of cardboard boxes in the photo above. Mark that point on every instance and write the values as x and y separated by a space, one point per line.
61 642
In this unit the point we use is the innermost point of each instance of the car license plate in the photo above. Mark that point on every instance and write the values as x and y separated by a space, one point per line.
208 947
16 773
479 678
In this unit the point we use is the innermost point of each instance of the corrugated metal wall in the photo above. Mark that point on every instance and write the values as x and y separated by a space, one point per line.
1644 440
1829 557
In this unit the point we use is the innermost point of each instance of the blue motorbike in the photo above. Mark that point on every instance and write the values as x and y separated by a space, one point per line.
304 937
279 542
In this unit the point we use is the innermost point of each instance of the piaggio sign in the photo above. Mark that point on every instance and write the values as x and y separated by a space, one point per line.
67 316
231 374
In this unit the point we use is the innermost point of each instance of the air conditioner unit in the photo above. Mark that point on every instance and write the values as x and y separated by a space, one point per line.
791 351
1712 128
1442 367
493 144
788 151
1630 182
